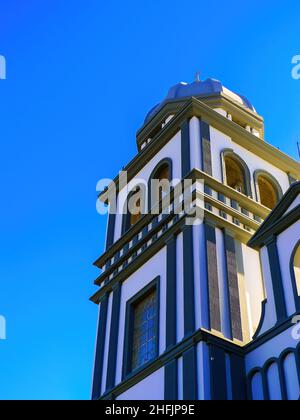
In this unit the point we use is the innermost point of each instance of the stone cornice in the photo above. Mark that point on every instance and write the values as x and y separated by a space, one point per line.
196 108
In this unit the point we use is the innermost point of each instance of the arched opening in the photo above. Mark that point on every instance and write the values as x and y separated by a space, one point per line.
235 174
268 192
159 183
134 208
297 268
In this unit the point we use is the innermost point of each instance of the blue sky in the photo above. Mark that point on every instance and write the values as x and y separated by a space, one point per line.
81 75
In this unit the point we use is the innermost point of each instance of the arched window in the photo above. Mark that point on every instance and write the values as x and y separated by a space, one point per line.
159 182
134 208
297 268
236 173
235 176
268 190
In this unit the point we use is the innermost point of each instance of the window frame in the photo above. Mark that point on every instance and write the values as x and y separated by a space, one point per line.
293 276
126 219
269 177
129 327
229 153
164 162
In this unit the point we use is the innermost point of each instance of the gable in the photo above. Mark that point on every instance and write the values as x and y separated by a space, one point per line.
285 213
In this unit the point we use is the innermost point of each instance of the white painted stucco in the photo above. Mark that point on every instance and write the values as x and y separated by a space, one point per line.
172 150
153 268
150 388
272 348
270 313
286 243
220 141
196 152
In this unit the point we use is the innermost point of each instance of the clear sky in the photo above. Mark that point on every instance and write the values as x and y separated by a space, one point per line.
81 75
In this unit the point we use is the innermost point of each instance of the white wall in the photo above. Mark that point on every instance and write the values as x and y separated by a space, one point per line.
286 244
270 349
153 268
150 388
196 151
220 141
171 150
254 287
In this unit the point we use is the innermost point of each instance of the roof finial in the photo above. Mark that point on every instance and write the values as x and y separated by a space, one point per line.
198 77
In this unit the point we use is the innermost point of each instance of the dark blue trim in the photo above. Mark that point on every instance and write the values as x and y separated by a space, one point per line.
164 162
101 336
190 388
171 316
205 147
171 381
238 374
262 318
293 277
185 149
114 335
188 274
278 290
126 214
218 378
110 230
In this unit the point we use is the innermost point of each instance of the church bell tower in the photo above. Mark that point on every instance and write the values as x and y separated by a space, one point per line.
181 305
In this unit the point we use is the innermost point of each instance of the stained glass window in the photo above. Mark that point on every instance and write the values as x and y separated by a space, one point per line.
144 331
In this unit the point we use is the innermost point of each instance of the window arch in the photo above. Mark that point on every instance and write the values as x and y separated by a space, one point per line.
236 173
134 208
159 182
295 274
268 190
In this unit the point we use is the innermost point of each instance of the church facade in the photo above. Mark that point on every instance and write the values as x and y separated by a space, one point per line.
207 310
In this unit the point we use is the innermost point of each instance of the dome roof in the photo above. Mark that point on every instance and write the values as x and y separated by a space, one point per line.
209 87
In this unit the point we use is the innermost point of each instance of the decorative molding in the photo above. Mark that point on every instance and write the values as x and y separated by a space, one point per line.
278 289
171 354
195 108
171 381
277 220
